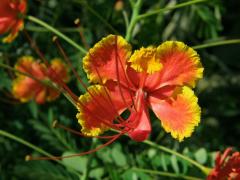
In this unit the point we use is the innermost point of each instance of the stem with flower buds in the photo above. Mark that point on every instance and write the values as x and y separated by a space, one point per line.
57 32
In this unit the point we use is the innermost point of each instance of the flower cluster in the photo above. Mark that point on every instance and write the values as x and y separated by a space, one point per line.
227 166
157 78
26 88
11 18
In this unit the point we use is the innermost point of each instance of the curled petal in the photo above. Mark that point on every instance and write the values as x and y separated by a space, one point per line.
146 60
107 59
179 115
181 64
139 119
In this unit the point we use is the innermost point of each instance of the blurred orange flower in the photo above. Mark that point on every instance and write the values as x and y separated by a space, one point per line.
160 78
11 18
227 166
26 88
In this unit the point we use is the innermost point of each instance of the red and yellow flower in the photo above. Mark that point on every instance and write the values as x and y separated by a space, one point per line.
11 18
157 78
227 166
26 88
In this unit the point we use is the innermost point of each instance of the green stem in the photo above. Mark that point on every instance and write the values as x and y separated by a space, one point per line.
204 169
218 43
188 3
21 141
166 174
43 29
57 32
135 14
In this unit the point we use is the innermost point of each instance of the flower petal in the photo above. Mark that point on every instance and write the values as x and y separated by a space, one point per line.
97 112
10 18
180 115
181 64
59 70
22 88
139 119
40 95
100 62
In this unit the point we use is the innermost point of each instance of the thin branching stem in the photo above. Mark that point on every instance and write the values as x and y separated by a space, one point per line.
166 174
134 18
217 43
204 169
57 32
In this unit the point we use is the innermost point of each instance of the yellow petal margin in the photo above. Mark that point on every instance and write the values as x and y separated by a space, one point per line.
179 115
90 115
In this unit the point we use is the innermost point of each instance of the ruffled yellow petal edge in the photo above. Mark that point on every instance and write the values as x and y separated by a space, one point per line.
177 46
146 60
85 118
109 40
187 94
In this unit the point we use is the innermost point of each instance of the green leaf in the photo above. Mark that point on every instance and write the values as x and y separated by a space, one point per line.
164 159
151 153
117 155
135 175
174 163
96 173
129 175
105 155
33 109
113 173
201 155
78 163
